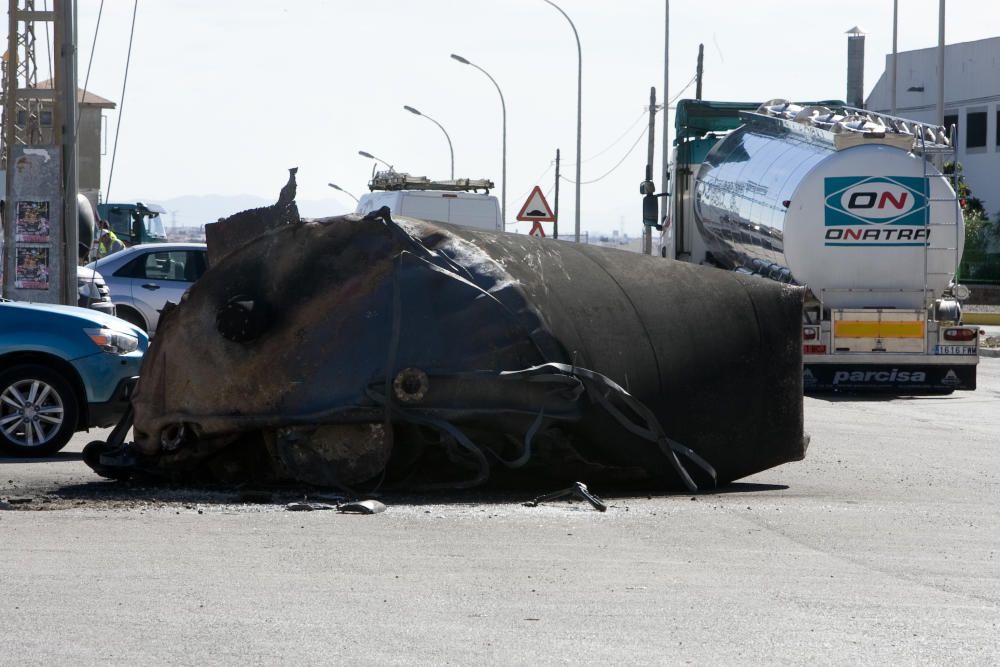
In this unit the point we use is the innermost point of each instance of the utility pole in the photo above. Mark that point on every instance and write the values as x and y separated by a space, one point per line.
555 225
66 125
665 157
647 230
700 71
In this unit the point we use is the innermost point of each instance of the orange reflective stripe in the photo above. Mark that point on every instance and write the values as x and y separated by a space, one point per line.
876 329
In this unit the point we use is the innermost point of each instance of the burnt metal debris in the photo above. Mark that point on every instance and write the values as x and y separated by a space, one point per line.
357 353
579 491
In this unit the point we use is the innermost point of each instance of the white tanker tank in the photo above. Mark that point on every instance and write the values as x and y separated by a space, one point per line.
849 203
841 202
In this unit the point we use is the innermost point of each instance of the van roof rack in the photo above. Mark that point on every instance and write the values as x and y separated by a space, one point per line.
394 180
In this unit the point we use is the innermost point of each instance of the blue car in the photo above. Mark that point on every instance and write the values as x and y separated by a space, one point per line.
62 369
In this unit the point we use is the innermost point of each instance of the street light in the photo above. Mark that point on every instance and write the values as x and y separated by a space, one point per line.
337 187
579 109
372 157
503 108
450 149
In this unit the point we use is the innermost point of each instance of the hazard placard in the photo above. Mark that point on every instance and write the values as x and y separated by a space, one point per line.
537 231
536 209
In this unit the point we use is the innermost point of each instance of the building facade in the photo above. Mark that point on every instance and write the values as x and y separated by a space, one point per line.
89 139
971 104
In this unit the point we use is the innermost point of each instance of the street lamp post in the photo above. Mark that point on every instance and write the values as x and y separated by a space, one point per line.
340 189
377 159
450 149
503 168
940 64
579 110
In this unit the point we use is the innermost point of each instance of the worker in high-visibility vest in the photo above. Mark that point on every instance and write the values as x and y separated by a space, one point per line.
108 244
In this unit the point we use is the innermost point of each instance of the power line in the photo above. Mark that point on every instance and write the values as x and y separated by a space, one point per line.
618 164
93 47
645 130
632 147
121 106
686 86
615 142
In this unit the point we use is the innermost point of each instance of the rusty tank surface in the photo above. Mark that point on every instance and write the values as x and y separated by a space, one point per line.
353 352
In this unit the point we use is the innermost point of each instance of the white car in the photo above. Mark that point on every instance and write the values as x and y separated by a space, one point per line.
144 277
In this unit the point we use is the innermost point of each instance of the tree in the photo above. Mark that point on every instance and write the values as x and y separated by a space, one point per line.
981 256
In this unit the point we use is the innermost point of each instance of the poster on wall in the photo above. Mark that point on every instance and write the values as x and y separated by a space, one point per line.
33 222
31 270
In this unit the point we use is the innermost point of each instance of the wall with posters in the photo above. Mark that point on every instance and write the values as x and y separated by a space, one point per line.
33 225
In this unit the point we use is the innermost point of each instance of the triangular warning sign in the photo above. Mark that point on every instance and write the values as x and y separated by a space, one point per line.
536 209
537 231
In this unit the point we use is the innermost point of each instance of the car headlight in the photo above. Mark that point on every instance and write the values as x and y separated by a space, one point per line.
115 342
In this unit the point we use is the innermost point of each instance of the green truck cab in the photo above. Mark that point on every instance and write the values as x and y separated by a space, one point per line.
135 223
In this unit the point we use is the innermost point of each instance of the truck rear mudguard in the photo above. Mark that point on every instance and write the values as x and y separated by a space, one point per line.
352 351
893 377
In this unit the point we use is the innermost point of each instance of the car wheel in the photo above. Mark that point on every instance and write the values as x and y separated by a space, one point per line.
131 316
38 411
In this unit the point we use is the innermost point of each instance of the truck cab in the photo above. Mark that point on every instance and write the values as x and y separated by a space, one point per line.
135 223
457 202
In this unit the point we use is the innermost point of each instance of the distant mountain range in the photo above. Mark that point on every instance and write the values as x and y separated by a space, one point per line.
197 210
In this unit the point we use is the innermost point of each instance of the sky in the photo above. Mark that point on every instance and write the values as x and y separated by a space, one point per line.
223 96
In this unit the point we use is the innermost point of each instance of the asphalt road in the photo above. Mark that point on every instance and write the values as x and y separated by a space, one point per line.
882 547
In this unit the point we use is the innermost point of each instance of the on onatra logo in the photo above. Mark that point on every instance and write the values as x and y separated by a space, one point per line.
875 211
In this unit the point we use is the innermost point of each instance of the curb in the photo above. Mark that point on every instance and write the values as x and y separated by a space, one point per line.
981 318
989 352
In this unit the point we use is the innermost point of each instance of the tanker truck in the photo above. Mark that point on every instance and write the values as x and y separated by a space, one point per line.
851 204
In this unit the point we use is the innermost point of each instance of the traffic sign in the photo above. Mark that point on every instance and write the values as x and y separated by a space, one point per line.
536 209
537 231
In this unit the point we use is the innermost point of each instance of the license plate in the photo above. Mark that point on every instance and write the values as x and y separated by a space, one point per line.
955 349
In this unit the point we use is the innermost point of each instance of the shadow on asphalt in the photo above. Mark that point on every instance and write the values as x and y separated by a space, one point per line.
746 487
55 458
878 397
118 491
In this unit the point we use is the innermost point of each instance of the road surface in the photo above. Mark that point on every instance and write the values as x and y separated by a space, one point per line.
882 546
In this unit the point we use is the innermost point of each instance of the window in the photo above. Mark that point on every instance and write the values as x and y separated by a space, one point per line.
975 133
134 269
166 265
194 265
949 121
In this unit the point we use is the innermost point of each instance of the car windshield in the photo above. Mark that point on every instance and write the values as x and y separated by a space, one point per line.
154 226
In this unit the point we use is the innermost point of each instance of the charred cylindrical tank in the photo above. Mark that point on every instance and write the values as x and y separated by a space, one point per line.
346 349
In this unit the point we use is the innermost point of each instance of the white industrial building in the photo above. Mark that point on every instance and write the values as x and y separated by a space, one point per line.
971 103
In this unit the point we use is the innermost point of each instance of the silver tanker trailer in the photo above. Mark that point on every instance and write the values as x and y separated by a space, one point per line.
852 205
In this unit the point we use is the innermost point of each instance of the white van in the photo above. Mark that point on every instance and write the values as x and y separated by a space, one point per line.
437 201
